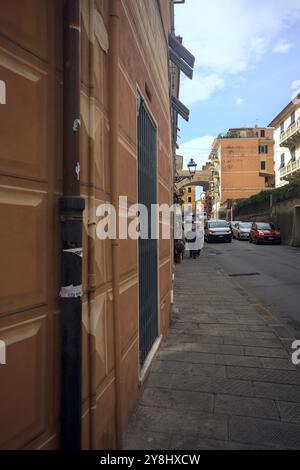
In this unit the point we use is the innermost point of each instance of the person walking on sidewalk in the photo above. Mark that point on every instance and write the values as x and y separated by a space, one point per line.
193 243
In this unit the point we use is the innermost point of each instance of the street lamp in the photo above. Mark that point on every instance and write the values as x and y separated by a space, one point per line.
192 166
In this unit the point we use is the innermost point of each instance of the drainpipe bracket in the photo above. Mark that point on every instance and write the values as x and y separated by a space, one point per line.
72 203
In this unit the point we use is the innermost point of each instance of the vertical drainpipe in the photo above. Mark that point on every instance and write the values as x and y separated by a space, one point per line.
114 179
71 209
92 236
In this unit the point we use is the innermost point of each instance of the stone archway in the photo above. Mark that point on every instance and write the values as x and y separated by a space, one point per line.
201 178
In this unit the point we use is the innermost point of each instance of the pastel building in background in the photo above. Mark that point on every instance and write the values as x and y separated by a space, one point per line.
287 143
242 165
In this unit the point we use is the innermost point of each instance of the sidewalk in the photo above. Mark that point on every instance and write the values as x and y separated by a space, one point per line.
223 378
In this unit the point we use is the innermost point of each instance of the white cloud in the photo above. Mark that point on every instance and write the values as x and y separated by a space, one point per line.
282 47
198 149
229 37
200 88
295 91
239 101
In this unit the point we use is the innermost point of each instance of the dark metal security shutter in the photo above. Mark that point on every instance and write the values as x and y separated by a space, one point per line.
147 188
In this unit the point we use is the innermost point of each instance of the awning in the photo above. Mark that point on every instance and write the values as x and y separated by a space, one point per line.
183 66
180 108
181 51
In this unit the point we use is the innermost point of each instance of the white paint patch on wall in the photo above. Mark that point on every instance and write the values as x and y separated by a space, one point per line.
2 353
2 92
94 26
101 32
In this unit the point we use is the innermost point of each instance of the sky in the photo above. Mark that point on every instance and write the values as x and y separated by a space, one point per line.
247 66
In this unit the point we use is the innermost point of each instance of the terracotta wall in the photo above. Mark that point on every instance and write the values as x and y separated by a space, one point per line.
240 167
30 186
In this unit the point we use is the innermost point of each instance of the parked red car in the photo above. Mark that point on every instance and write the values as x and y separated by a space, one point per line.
264 232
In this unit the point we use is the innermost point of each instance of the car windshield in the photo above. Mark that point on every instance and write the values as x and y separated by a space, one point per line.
218 224
265 226
245 225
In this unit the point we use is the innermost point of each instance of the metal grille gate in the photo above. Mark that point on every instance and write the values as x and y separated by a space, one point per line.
147 187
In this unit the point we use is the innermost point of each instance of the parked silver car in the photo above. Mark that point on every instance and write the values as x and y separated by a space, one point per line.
232 223
241 230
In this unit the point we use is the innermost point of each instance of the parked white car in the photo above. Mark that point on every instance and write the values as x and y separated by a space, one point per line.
241 230
217 230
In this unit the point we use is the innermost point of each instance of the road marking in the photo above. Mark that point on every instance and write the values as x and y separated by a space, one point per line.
243 274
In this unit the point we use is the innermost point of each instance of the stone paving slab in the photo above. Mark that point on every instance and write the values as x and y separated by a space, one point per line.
266 352
223 378
165 367
242 361
186 338
275 363
277 391
265 342
191 441
163 398
170 421
194 358
269 432
289 411
255 407
264 375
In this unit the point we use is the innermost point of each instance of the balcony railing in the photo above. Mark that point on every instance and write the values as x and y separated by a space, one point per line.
291 170
214 156
242 135
291 134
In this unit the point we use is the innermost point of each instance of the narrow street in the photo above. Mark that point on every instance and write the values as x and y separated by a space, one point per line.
223 378
269 273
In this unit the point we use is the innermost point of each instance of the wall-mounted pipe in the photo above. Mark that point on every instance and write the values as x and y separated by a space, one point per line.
71 209
92 236
114 178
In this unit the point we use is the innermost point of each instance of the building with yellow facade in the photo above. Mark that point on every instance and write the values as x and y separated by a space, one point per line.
189 197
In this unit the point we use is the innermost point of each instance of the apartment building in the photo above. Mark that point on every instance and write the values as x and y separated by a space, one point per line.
99 352
287 143
189 197
242 165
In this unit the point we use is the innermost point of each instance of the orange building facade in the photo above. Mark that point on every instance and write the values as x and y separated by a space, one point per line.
189 197
243 165
31 176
